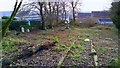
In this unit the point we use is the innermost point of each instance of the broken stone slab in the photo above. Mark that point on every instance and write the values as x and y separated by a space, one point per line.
86 40
109 39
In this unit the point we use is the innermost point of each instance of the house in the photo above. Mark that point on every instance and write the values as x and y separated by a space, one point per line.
28 15
83 16
102 14
99 14
95 16
105 21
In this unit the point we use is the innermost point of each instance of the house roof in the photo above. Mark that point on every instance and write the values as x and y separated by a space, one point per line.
26 13
105 19
100 13
84 14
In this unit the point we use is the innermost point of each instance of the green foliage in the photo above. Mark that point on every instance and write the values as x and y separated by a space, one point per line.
35 24
56 39
16 25
73 45
101 49
81 47
114 63
9 43
61 47
7 17
75 55
116 21
115 11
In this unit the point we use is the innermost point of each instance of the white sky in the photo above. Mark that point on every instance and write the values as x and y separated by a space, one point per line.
87 5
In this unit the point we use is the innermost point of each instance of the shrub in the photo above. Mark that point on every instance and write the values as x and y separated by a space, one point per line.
35 24
114 63
115 14
7 17
88 23
16 25
116 21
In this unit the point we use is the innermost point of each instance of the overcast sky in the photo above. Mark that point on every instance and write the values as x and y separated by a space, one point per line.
87 5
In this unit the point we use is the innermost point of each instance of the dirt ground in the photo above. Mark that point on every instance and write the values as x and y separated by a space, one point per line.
105 42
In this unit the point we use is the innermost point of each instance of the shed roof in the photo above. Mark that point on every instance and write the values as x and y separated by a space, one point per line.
100 13
84 14
105 19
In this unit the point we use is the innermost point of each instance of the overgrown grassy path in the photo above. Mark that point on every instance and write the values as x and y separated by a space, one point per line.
104 40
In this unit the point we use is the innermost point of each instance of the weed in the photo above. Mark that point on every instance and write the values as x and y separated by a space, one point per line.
114 62
101 49
73 45
81 47
56 39
8 43
74 55
81 39
61 47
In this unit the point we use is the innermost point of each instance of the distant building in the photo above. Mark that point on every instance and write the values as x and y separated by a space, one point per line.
28 15
105 21
102 14
83 16
99 14
94 16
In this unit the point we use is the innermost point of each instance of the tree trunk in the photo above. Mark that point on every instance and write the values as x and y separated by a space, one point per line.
57 11
73 7
50 24
73 14
42 16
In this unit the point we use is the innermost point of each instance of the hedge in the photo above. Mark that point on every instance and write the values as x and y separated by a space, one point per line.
16 25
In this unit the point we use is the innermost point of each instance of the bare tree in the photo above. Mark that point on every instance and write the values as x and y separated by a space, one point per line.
64 5
74 4
57 10
50 13
42 15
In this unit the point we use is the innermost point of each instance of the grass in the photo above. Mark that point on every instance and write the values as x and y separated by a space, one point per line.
81 47
75 54
56 39
73 45
77 47
114 62
101 49
9 43
60 47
